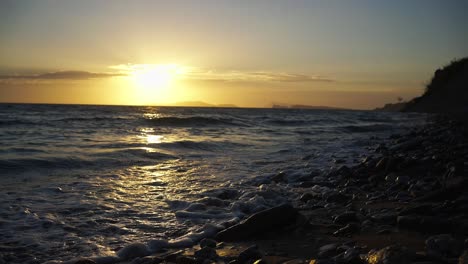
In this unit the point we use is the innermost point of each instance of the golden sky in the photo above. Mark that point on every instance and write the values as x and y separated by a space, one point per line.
355 54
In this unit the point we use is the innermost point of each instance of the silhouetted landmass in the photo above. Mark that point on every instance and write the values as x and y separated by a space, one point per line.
447 92
286 106
395 107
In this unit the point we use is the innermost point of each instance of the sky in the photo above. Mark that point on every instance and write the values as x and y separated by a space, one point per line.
356 54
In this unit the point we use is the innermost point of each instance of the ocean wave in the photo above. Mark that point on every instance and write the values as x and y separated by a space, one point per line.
285 122
193 121
366 128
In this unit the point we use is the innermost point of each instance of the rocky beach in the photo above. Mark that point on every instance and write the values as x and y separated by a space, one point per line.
404 203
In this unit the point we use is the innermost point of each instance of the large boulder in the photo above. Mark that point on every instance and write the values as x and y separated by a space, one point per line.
260 222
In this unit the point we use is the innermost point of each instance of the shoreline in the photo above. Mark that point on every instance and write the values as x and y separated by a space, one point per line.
407 206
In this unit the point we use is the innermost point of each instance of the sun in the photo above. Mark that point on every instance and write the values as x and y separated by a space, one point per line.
155 76
153 82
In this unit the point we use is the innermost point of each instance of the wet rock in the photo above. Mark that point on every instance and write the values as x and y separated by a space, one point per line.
148 260
308 196
260 222
436 224
350 256
157 245
337 197
106 259
328 250
391 177
185 260
345 217
206 242
402 180
389 255
409 222
206 253
85 261
133 251
424 209
251 253
444 246
463 259
280 177
347 230
385 218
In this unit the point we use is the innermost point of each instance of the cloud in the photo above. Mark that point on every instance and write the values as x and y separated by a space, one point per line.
246 76
62 75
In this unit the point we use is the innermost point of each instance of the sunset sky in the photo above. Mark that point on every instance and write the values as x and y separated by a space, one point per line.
351 53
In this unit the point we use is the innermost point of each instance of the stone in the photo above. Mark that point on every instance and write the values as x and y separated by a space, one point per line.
250 253
389 218
106 259
409 222
185 260
328 250
347 230
337 197
133 251
389 255
444 246
345 217
157 245
148 260
207 242
280 177
260 222
85 261
402 180
206 253
463 259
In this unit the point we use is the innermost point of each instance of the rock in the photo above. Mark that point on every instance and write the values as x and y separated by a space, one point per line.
260 222
385 218
436 224
251 253
347 230
85 261
133 251
106 259
206 253
389 255
148 260
308 196
350 256
444 246
463 258
402 180
345 217
409 222
157 245
185 260
328 250
425 209
206 242
280 177
337 197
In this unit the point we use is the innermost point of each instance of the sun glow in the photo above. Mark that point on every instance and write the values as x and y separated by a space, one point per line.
153 82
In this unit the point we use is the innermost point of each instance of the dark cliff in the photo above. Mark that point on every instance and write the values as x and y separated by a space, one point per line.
447 92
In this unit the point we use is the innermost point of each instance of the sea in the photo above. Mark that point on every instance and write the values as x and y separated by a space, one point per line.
84 180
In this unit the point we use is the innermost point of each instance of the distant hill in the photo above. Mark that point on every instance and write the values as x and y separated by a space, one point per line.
286 106
395 107
447 92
